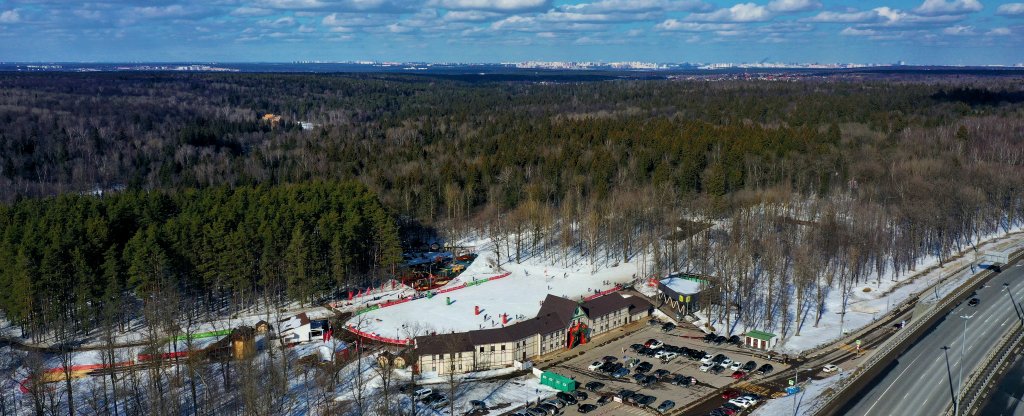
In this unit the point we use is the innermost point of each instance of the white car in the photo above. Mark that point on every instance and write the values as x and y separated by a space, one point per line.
750 400
726 362
706 366
830 368
656 344
422 392
707 359
595 365
736 365
741 402
668 356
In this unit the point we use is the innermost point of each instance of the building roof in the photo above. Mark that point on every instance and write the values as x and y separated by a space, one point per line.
555 315
683 285
601 306
765 336
444 343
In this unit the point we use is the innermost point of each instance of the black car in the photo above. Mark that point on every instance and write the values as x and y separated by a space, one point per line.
749 366
639 378
717 369
733 407
647 400
624 394
636 347
696 354
566 397
581 395
604 399
710 337
720 339
735 340
606 367
587 408
661 373
668 327
645 351
610 359
765 369
974 302
643 367
718 359
650 380
550 408
616 367
594 386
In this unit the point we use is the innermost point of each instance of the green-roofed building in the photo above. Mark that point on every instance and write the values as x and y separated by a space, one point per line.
760 340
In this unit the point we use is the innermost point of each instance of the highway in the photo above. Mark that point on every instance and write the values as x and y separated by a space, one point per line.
924 379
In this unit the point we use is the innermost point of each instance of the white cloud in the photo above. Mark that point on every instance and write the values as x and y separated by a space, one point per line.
250 11
500 5
306 29
1011 9
845 17
470 16
940 7
10 16
852 31
608 6
675 25
174 10
278 23
1000 31
743 12
959 30
789 6
347 20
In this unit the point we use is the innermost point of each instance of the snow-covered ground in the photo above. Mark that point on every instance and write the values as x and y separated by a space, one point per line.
871 301
803 401
520 294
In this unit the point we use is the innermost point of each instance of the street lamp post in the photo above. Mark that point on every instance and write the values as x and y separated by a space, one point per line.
796 382
960 384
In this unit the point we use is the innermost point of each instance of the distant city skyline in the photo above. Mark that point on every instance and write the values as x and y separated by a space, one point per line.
924 32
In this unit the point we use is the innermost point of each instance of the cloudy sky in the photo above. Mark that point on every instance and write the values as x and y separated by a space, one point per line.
867 31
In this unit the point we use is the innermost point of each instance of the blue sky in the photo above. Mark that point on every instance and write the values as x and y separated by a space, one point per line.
957 32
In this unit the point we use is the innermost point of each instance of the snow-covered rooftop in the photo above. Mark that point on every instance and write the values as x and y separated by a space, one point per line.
682 285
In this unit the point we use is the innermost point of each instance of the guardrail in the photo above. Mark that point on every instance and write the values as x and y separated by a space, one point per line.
826 404
994 360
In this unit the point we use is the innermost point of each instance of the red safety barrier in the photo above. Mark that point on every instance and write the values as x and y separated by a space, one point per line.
599 294
376 337
166 355
452 289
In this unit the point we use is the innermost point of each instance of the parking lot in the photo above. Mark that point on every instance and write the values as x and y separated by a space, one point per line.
708 383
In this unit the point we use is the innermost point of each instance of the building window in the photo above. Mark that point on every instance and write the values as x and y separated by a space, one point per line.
481 349
492 348
503 347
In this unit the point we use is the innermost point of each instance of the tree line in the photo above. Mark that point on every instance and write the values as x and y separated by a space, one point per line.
77 258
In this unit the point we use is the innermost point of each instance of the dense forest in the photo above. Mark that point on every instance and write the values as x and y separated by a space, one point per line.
886 172
85 260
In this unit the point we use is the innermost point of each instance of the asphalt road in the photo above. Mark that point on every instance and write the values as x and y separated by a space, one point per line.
924 379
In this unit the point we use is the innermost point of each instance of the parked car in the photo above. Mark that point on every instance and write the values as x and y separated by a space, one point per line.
741 402
566 397
549 408
730 394
596 365
830 368
636 347
974 302
765 369
624 394
643 367
726 362
654 343
661 373
442 402
581 395
735 366
716 370
620 373
710 337
594 386
706 367
719 358
738 375
604 400
749 366
478 405
668 357
647 400
706 359
639 378
537 411
668 327
666 406
431 398
735 340
752 399
719 339
422 392
587 408
733 408
610 358
558 403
